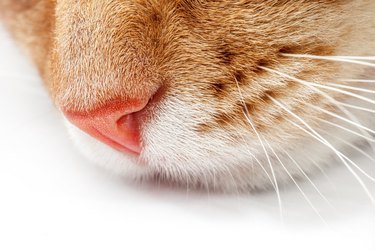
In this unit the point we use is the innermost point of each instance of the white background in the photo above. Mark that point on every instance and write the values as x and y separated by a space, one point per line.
53 198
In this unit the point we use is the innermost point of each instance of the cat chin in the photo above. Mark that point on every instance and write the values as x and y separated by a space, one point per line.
117 163
127 166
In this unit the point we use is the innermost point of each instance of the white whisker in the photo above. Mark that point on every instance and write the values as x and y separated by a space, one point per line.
312 86
318 137
256 159
332 58
320 170
318 85
234 183
343 92
188 181
350 145
226 168
346 129
364 58
307 177
358 168
354 122
206 185
263 168
351 88
295 182
246 113
341 118
350 115
357 80
356 107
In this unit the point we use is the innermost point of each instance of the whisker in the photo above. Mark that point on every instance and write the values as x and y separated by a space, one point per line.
358 168
263 168
346 129
320 170
357 124
343 92
357 80
252 163
259 163
246 114
307 177
356 107
350 145
351 88
296 183
188 181
341 118
206 185
332 58
365 58
214 181
341 156
234 183
318 85
311 85
318 137
350 115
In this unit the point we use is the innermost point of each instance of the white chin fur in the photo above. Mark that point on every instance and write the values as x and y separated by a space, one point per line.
173 151
103 155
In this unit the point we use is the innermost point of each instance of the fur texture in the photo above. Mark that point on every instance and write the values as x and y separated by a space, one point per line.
214 120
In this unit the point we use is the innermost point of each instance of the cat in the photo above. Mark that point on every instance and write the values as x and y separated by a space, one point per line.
227 95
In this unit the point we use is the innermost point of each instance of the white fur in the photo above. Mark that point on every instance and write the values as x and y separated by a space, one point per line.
173 150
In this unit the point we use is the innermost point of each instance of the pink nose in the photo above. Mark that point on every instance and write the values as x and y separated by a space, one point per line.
115 124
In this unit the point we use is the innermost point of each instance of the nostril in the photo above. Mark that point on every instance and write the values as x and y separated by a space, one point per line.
129 125
127 121
115 124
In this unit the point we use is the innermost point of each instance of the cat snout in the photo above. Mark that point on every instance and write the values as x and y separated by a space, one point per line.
116 124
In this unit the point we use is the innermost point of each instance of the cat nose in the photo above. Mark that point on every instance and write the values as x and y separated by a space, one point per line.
115 124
